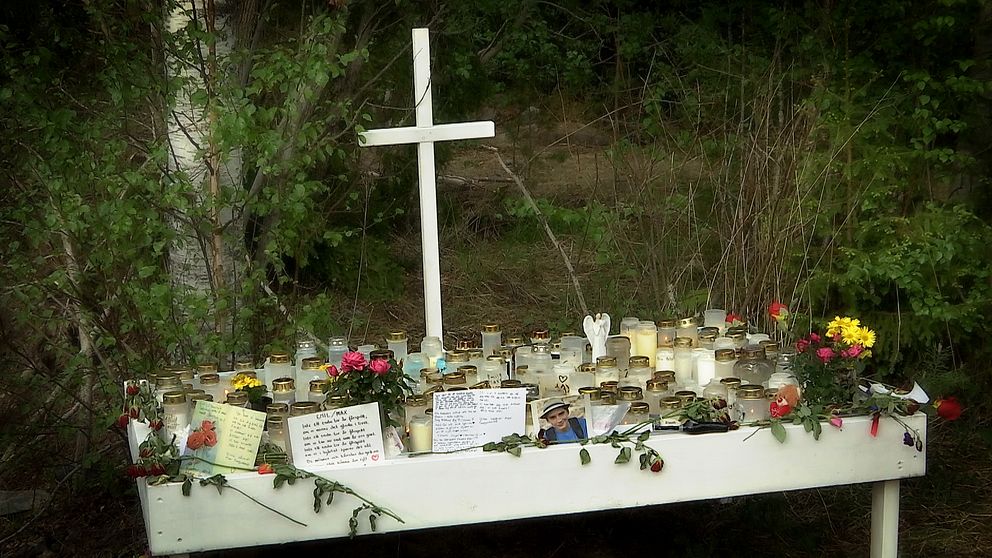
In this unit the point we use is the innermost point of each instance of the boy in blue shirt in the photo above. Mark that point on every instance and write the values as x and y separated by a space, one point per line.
563 427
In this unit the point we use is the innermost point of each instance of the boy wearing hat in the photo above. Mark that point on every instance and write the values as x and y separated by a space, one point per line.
564 428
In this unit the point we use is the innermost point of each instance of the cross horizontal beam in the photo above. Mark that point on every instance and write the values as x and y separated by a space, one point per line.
437 132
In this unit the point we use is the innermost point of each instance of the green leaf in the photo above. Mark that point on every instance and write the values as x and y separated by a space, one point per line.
584 456
187 485
623 456
514 451
278 481
778 431
817 430
644 436
644 461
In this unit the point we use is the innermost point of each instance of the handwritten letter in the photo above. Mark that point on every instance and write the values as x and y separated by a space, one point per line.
348 436
463 419
239 432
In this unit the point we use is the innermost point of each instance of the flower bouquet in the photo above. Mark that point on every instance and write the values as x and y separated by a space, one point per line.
829 366
379 380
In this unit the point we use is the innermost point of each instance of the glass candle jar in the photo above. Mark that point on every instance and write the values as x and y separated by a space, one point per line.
784 362
666 332
336 348
455 359
771 350
715 390
557 381
175 413
492 339
573 349
471 374
316 392
413 405
166 382
275 426
609 387
724 343
210 384
413 364
507 354
707 337
196 397
607 398
278 365
338 401
683 361
639 372
540 336
757 338
301 408
454 379
309 370
366 350
732 384
421 433
656 389
688 327
606 370
493 371
277 409
686 396
645 341
724 361
305 348
628 325
618 347
738 336
705 367
630 393
429 377
664 359
751 404
510 384
667 376
779 379
638 413
752 368
540 359
432 348
283 391
668 409
397 342
715 317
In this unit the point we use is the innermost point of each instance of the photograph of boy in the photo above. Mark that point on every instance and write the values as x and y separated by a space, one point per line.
563 426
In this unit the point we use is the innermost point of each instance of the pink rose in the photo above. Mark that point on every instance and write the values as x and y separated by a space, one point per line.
851 352
802 345
352 360
814 337
837 338
836 421
380 366
825 354
195 440
332 371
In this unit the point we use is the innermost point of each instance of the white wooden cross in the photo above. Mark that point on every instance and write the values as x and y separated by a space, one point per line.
424 134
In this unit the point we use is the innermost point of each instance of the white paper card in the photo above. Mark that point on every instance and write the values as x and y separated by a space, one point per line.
346 436
463 419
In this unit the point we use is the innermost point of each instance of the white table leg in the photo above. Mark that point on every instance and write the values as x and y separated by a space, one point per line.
885 519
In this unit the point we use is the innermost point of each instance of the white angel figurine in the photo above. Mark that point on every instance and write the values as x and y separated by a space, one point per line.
597 330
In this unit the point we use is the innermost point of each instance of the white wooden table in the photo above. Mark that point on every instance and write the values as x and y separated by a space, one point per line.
444 490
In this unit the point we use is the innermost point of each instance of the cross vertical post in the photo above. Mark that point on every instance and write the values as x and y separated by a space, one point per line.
424 134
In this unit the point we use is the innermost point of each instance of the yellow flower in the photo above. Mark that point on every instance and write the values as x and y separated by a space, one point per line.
840 325
244 381
866 337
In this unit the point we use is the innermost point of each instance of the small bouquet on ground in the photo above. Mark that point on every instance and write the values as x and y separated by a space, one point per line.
379 380
251 385
829 366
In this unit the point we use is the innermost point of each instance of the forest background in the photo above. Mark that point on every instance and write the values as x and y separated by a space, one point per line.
182 184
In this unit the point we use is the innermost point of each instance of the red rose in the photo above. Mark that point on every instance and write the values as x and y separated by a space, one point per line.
133 412
156 425
779 409
802 345
136 471
825 354
379 366
145 453
734 318
122 421
657 465
332 371
814 337
210 438
195 440
948 409
132 389
265 469
778 310
352 360
156 470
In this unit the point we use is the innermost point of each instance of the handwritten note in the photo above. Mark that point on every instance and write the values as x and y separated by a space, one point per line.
238 432
346 436
463 419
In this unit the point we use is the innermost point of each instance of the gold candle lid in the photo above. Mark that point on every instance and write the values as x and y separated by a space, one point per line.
416 400
639 408
750 392
312 363
630 393
709 333
279 358
510 384
736 335
275 421
381 354
543 334
768 345
457 388
594 393
303 408
753 352
206 368
318 385
174 397
484 384
200 397
506 353
611 386
490 328
468 369
587 367
454 378
688 322
168 380
686 396
187 374
606 362
657 385
771 394
474 354
683 342
731 382
237 398
277 409
283 385
210 379
464 344
496 358
398 335
670 403
640 361
456 357
426 372
244 363
667 376
725 355
608 397
337 401
514 341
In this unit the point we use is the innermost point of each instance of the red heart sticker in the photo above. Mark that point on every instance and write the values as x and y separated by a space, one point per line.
375 457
